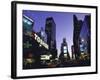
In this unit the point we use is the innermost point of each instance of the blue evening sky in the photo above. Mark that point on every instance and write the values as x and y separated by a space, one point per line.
64 24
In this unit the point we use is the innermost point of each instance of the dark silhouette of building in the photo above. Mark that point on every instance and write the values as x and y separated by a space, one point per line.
76 35
64 51
50 29
85 36
81 36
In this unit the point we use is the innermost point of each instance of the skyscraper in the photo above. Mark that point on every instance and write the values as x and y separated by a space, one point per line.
81 36
50 29
27 23
85 35
76 35
27 28
64 51
34 44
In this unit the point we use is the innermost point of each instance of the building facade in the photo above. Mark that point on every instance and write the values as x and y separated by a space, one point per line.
85 36
76 35
34 45
81 36
50 29
64 55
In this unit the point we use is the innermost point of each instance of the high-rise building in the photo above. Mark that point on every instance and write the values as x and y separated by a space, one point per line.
64 51
33 45
85 36
27 23
50 29
27 28
81 36
76 35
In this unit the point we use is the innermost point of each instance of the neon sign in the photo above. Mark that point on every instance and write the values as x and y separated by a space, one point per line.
38 39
